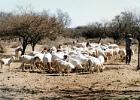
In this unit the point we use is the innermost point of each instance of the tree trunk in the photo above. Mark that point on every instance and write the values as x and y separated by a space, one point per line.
24 45
138 67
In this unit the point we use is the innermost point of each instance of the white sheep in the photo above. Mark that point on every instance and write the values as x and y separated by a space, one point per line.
64 66
39 55
113 46
80 61
53 49
96 63
57 56
44 59
18 52
109 54
75 62
122 54
7 61
27 59
47 61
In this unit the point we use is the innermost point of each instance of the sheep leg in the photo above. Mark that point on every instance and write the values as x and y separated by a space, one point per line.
49 67
76 69
9 68
63 73
66 71
59 70
91 70
23 67
101 68
97 68
31 68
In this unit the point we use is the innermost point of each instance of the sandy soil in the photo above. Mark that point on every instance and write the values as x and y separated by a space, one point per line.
118 81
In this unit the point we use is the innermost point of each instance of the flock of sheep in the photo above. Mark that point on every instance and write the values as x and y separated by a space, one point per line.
85 56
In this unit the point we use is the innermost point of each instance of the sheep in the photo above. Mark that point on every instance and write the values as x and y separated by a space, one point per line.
122 54
47 60
38 63
53 49
75 62
7 61
80 61
57 55
27 59
92 51
37 59
44 59
64 66
105 53
116 52
40 55
96 63
18 52
113 46
95 45
109 54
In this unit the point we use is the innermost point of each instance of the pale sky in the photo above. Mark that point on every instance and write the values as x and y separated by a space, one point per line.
82 12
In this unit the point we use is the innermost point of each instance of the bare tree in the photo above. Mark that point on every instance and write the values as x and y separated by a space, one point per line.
31 28
64 20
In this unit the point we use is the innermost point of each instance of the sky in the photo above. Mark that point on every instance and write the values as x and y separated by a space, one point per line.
82 12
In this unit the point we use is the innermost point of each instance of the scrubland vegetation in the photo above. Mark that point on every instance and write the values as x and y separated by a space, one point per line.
34 31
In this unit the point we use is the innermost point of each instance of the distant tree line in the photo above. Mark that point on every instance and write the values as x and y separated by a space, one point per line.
122 24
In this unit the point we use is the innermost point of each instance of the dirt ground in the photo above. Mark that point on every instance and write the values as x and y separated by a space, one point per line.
117 81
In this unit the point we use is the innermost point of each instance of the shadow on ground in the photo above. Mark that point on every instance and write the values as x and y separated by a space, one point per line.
68 94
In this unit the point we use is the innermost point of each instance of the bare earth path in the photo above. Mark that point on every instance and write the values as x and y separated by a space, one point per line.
118 81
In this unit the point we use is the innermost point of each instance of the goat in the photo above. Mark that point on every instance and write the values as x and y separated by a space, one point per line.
79 61
122 54
18 52
27 59
7 61
45 60
96 63
64 66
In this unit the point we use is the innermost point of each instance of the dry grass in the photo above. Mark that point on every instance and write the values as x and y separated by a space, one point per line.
2 49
